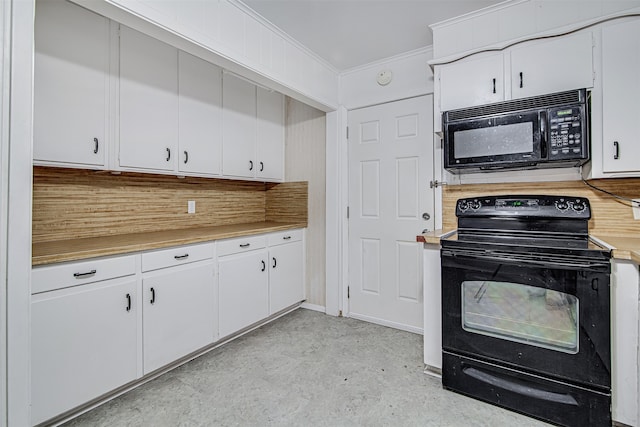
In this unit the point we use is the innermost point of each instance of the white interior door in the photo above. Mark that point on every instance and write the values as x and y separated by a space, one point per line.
390 163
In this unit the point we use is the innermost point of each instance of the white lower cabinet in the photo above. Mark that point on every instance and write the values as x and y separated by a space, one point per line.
285 270
178 312
243 281
83 344
259 276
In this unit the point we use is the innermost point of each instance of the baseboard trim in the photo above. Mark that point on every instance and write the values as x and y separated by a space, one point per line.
387 323
314 307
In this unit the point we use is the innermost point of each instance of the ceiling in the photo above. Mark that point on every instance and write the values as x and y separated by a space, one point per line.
350 33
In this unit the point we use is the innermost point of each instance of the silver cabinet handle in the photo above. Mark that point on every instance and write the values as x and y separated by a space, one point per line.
185 256
286 238
97 144
261 166
616 148
245 245
168 154
128 302
83 275
264 265
274 262
153 296
250 165
186 157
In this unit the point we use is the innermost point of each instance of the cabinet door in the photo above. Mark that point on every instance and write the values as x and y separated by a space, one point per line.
620 95
554 65
71 85
270 135
243 282
472 82
148 102
200 121
239 130
83 344
178 314
286 283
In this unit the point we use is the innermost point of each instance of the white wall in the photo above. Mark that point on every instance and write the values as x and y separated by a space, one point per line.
305 161
411 77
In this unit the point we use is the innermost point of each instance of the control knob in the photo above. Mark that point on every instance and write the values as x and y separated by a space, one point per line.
562 205
463 205
578 206
475 204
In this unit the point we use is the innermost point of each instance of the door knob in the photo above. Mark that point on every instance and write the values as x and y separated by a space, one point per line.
426 216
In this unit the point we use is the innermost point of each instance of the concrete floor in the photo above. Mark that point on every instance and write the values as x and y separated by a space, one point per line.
304 369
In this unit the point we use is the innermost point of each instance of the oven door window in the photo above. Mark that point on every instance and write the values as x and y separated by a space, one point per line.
521 313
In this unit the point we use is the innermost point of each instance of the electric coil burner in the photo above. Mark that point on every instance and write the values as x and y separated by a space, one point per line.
525 308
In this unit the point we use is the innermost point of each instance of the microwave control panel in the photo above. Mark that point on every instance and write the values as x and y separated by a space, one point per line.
567 133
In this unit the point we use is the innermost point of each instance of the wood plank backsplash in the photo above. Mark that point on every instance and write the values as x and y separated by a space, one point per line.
609 216
74 203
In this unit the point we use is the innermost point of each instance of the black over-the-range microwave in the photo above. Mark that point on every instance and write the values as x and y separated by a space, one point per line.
538 132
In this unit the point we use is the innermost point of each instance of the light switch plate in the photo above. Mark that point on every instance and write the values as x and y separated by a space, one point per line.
191 206
636 209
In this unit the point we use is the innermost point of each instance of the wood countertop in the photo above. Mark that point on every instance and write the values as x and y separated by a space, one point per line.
432 237
76 249
623 247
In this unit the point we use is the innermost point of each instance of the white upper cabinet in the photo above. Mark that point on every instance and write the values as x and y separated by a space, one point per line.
200 116
239 127
475 81
253 131
620 95
148 102
71 86
529 69
270 136
553 65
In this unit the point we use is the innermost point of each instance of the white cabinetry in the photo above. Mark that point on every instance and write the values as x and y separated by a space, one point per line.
620 107
179 303
285 270
253 131
270 135
243 281
432 308
528 69
200 120
71 86
240 125
83 338
624 341
259 276
476 81
148 115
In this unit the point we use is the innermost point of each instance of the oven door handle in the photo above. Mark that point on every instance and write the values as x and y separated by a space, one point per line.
502 258
522 389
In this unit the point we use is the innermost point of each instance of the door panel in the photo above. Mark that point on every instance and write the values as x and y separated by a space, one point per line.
390 162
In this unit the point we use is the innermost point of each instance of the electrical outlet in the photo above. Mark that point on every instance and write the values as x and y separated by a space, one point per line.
636 209
191 206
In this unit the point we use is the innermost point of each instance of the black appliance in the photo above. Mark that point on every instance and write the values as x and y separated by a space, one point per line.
525 308
543 131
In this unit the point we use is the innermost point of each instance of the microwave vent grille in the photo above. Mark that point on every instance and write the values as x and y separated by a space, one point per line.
561 98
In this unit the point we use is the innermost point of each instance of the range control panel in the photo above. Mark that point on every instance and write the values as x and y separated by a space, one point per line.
529 206
567 134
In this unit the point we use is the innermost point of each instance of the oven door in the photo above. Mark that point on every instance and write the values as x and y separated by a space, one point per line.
537 314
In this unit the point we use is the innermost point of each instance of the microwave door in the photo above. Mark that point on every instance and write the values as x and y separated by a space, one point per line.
506 141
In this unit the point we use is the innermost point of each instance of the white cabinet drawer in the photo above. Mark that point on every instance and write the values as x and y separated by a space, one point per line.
48 278
241 244
287 236
176 256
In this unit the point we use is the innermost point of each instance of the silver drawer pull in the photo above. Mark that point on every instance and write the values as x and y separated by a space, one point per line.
83 275
181 256
286 238
245 245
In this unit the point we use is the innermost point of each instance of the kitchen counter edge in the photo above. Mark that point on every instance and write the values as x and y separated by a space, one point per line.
78 249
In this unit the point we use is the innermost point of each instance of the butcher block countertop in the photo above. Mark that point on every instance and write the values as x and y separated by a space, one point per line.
623 247
77 249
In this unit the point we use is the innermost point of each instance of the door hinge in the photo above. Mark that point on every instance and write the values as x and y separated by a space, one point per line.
348 292
347 132
347 212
